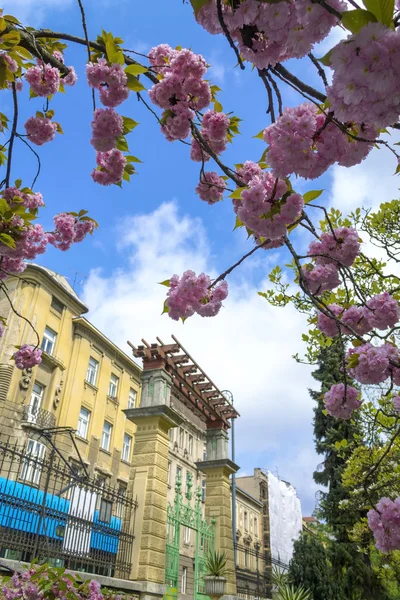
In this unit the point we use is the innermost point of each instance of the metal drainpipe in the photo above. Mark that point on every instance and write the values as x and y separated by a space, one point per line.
229 397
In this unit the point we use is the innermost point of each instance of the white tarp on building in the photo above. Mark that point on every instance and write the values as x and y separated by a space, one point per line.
284 516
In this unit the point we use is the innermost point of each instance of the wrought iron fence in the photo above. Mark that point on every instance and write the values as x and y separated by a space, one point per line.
253 572
50 513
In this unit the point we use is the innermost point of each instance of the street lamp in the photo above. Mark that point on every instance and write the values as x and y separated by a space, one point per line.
229 396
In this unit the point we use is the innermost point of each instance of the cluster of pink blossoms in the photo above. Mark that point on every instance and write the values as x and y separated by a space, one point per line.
381 312
27 357
43 79
262 207
332 250
31 242
110 167
214 129
190 294
211 187
11 63
374 363
277 30
384 521
68 230
300 143
342 400
366 75
110 80
71 78
181 91
29 199
107 125
40 130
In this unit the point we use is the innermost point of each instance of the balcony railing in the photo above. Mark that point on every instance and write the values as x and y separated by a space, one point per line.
38 416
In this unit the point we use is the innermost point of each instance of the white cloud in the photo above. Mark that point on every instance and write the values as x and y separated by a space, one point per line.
247 348
32 12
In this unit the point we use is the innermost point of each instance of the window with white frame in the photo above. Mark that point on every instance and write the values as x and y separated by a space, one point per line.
184 580
93 369
32 464
186 535
83 423
49 340
181 437
203 490
113 386
190 444
35 402
105 511
132 398
106 436
126 448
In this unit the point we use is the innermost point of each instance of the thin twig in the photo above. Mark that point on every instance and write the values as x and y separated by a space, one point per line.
22 138
317 65
264 79
228 35
239 262
13 134
3 287
85 31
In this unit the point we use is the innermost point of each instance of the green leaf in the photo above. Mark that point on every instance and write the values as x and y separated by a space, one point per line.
218 106
18 183
354 20
260 135
129 124
50 114
311 195
165 308
237 194
382 9
4 206
134 84
7 240
167 283
132 159
23 52
326 59
11 39
136 69
197 5
39 114
114 54
238 223
122 144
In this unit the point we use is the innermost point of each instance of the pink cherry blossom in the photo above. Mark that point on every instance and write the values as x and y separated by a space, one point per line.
328 325
373 363
69 230
192 294
384 311
27 357
384 522
320 278
43 79
358 318
11 63
341 401
107 125
29 199
110 80
340 247
160 57
71 78
211 187
111 167
40 130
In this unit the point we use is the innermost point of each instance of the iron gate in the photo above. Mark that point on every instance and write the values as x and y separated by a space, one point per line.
179 514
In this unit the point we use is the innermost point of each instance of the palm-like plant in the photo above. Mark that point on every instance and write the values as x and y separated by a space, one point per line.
215 564
287 591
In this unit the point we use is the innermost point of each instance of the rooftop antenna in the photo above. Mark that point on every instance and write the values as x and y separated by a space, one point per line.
78 281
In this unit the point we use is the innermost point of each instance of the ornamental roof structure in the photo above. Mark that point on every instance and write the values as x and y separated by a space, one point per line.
192 385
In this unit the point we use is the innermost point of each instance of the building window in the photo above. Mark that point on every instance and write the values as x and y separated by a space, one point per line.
126 448
57 305
246 520
113 386
32 465
246 558
204 455
132 398
83 423
169 472
186 535
256 526
178 474
120 501
188 479
190 445
93 368
49 340
184 580
203 490
106 436
36 400
181 437
105 511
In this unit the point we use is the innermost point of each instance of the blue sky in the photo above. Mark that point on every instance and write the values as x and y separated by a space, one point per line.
156 225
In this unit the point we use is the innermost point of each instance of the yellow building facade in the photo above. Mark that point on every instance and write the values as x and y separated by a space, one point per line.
83 383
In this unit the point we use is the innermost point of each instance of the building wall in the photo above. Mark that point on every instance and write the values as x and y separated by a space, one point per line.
63 372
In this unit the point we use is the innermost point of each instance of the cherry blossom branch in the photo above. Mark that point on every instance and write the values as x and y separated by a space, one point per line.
13 134
262 73
22 138
329 8
239 262
317 65
228 35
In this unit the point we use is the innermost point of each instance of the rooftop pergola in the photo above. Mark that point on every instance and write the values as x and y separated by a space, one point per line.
191 384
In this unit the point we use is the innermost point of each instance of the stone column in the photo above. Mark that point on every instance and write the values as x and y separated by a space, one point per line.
218 469
153 419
